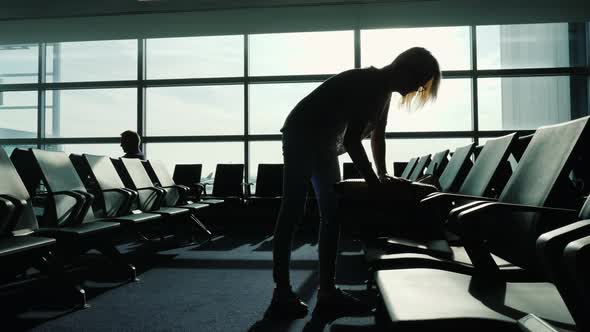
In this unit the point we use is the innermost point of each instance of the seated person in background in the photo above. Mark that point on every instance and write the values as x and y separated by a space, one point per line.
130 142
331 120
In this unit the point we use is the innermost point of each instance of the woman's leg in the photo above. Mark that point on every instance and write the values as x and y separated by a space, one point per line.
296 175
326 173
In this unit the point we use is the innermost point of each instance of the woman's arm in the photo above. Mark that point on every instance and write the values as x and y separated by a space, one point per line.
378 143
354 147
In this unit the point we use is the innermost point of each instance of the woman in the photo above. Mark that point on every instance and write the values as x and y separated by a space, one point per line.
331 120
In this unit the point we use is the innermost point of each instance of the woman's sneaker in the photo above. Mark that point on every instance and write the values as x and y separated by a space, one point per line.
285 305
337 303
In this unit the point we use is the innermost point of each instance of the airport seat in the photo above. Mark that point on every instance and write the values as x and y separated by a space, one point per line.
117 201
265 202
483 298
152 199
433 209
409 168
228 184
418 170
437 164
22 244
68 215
189 175
535 189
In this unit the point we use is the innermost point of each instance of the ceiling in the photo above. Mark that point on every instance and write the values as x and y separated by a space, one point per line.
26 9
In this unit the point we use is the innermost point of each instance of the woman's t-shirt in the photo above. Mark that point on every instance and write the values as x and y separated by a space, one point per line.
323 116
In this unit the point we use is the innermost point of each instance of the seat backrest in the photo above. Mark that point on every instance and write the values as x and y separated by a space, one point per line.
187 174
576 256
269 180
59 174
107 178
451 178
438 163
535 181
547 159
419 168
11 184
409 168
559 254
486 166
161 173
140 179
228 180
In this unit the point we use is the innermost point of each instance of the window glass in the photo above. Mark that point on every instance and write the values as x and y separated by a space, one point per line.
207 154
90 112
523 102
302 53
449 45
92 61
523 46
271 103
19 63
451 111
9 148
195 57
18 114
401 150
198 110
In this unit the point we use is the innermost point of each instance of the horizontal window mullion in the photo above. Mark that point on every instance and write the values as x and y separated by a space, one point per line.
79 140
562 71
495 133
194 81
181 139
90 85
18 141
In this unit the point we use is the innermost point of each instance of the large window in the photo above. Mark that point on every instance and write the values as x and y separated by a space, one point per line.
195 57
200 110
90 113
19 63
18 114
224 99
92 61
301 53
271 103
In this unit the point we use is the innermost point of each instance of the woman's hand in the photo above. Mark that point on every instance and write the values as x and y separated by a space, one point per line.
386 178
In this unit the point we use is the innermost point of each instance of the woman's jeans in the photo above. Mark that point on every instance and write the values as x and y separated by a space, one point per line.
305 160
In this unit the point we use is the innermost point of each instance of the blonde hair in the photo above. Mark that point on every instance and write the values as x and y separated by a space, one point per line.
419 64
426 93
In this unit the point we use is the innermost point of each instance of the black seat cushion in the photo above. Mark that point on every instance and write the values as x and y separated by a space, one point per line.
80 231
138 218
18 244
170 211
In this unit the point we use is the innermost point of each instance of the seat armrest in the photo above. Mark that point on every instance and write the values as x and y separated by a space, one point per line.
160 195
76 216
532 323
437 206
128 196
14 207
466 221
7 209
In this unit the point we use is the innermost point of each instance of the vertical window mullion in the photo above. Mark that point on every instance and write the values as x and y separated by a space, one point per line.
141 76
41 95
357 47
246 113
474 76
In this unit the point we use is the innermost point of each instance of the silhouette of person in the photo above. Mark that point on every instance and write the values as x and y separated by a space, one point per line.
130 143
331 120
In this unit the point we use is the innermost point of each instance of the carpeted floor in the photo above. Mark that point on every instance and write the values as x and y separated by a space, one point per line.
224 285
